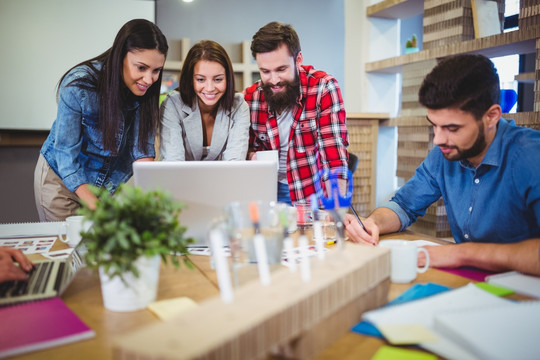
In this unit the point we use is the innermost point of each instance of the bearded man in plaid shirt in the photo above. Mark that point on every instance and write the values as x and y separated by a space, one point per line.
296 110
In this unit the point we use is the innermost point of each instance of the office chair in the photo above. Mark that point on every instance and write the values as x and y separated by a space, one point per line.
353 162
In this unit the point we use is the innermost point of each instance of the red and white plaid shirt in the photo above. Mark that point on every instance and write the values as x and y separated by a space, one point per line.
318 139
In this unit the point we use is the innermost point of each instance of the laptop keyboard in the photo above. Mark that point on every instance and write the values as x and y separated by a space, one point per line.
36 283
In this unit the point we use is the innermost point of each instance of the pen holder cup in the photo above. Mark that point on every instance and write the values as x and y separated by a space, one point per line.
328 226
241 231
304 215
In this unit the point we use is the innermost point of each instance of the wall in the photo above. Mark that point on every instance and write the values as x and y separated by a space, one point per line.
42 39
17 184
319 25
377 93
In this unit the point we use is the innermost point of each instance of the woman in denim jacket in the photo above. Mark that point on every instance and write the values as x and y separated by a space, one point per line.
204 119
108 112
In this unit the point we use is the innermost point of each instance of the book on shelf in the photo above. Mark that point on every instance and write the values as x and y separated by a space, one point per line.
486 21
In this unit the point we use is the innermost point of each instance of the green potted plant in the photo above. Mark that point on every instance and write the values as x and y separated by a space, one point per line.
131 232
411 45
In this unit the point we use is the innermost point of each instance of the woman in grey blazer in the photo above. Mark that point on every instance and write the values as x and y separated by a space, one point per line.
204 119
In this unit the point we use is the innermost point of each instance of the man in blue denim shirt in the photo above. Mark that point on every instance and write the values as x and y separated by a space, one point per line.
486 169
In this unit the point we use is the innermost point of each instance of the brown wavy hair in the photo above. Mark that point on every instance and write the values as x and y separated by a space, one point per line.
210 51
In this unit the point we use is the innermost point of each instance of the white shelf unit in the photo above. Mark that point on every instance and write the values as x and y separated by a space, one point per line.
386 71
246 72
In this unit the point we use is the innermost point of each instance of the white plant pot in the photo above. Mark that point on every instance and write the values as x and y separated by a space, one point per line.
135 293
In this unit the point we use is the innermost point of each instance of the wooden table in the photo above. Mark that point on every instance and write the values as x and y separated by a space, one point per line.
84 297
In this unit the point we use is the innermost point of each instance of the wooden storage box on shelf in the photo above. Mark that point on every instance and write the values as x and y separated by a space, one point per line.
413 75
451 21
414 143
447 21
528 119
299 318
529 14
363 131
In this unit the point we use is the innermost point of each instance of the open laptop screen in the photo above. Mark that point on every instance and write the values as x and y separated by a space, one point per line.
207 186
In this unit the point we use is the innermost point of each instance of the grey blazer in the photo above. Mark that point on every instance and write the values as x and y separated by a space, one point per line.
181 135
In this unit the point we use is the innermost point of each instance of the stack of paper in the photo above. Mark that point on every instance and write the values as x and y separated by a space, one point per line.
463 324
521 283
508 331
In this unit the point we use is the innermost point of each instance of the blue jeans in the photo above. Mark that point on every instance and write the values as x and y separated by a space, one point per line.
283 194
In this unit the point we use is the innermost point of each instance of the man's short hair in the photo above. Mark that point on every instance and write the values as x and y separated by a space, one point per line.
272 35
466 82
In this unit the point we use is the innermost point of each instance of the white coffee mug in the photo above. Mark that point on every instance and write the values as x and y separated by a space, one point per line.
72 227
268 155
404 260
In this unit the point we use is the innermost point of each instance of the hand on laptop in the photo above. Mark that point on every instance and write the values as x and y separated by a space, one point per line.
8 268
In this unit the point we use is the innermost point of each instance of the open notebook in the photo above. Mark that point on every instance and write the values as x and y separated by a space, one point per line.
49 278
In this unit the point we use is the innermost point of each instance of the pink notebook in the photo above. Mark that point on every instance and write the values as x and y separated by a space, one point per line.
39 325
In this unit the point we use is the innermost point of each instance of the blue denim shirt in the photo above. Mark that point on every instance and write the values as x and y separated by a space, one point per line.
499 201
74 148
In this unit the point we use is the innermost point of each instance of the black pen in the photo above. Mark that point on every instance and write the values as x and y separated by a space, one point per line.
358 218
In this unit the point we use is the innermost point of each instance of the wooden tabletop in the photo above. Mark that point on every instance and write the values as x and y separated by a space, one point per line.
84 297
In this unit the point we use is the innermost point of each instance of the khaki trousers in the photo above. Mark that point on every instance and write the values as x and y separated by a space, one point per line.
54 202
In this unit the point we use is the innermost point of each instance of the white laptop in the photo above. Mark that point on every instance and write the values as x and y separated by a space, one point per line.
207 186
49 278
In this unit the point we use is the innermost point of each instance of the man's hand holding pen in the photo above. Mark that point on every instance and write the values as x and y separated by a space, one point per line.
361 231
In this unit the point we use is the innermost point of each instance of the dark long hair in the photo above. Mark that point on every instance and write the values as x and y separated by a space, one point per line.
108 82
210 51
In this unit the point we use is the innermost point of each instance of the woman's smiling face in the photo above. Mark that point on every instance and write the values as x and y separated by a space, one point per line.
141 69
209 82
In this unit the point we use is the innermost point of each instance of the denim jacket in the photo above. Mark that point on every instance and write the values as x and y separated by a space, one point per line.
74 149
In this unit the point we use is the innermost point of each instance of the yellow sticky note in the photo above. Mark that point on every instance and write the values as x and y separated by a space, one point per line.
166 309
394 353
401 334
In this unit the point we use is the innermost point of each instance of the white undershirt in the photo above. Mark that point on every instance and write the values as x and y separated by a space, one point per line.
284 121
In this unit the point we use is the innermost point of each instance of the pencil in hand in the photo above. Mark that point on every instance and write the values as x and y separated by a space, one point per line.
358 218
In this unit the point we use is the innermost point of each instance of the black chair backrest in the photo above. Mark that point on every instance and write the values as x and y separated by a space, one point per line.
353 162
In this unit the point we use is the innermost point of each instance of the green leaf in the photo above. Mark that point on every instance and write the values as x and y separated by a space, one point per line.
133 223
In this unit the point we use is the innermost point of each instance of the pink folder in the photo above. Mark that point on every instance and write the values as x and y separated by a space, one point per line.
39 325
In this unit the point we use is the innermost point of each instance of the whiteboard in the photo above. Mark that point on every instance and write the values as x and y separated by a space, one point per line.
42 39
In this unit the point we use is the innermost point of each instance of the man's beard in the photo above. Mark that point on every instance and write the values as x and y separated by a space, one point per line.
283 99
478 146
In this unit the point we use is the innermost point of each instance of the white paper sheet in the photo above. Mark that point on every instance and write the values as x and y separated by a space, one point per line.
521 283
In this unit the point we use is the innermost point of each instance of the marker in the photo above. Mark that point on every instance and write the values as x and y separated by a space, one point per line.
260 249
317 227
222 267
